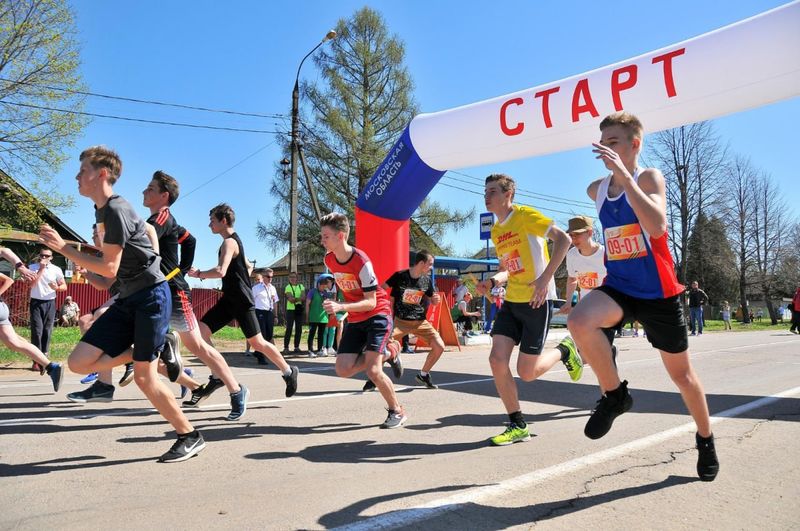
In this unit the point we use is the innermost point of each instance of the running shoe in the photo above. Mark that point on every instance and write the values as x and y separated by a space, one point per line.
239 403
512 434
291 381
185 447
97 392
426 381
395 419
312 354
260 358
184 390
203 392
394 361
127 376
369 385
89 378
572 361
56 372
608 408
707 463
171 356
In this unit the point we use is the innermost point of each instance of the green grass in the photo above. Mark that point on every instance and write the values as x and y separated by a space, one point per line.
64 340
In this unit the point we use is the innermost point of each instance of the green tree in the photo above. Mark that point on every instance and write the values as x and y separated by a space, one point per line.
39 69
357 113
711 260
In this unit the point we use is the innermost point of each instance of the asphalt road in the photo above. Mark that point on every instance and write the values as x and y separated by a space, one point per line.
319 460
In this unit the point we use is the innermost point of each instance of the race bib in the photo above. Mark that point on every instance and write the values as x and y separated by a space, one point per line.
513 263
625 242
588 280
412 296
347 281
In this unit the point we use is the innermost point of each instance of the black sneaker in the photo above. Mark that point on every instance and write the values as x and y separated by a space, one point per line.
707 463
260 358
239 403
426 381
56 372
369 385
203 392
97 392
185 447
608 408
171 356
395 362
291 381
127 376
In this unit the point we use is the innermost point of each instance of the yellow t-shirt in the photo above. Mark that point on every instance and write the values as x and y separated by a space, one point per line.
522 250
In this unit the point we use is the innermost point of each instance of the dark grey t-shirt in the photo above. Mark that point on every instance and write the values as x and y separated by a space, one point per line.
140 266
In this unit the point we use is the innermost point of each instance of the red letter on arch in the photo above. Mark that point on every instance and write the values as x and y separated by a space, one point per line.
669 82
582 90
517 129
545 95
618 86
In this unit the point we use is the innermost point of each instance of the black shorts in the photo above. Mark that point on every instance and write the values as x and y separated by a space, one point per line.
371 335
662 319
140 319
226 310
525 325
182 318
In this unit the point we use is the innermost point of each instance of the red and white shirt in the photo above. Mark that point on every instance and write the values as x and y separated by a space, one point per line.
354 278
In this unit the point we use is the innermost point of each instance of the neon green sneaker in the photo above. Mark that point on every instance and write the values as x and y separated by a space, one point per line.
512 434
573 363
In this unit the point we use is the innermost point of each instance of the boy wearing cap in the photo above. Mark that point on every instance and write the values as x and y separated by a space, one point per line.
640 284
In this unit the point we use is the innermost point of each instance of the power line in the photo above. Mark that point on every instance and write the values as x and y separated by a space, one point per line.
149 102
553 198
142 120
248 157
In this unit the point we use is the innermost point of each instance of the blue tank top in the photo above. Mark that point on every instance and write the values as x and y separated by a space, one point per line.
636 263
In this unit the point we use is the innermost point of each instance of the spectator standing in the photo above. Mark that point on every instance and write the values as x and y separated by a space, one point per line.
317 318
795 306
69 313
726 315
295 304
697 298
265 297
49 279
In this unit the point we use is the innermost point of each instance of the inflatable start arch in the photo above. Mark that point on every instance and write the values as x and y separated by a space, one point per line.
745 65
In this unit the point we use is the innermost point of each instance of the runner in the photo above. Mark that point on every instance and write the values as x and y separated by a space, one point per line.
236 302
162 191
366 342
525 266
140 316
7 334
409 289
640 285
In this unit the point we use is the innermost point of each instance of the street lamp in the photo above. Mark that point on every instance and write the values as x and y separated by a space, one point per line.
293 186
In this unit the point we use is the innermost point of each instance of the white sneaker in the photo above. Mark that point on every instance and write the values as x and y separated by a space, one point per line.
331 352
322 353
311 354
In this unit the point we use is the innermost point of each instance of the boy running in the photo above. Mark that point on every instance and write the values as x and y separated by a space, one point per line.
236 302
640 285
408 289
525 265
140 315
366 341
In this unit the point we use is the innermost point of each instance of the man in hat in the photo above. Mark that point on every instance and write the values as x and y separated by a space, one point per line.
585 261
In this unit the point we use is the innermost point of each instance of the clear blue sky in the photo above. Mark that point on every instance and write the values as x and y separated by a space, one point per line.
244 55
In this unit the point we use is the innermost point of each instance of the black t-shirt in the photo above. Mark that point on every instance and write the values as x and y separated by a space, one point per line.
170 236
409 294
139 265
236 282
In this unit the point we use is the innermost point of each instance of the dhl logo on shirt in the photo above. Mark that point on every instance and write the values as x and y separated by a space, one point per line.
503 237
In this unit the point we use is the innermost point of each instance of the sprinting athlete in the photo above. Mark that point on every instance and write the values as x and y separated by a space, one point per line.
237 300
640 285
524 318
366 340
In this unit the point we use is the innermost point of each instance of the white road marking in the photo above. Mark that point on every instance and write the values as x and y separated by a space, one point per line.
407 516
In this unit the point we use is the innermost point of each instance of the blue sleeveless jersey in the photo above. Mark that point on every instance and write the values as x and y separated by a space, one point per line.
636 263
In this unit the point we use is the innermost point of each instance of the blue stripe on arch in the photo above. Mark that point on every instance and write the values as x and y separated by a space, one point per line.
400 184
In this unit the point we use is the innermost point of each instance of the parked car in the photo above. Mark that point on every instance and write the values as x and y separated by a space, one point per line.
560 319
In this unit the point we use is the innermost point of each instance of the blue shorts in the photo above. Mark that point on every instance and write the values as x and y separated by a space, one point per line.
140 319
371 335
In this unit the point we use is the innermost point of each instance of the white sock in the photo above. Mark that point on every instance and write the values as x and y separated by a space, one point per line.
288 372
423 374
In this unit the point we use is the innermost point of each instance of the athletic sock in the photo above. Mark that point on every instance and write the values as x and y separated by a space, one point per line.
423 374
517 419
564 352
288 372
192 433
